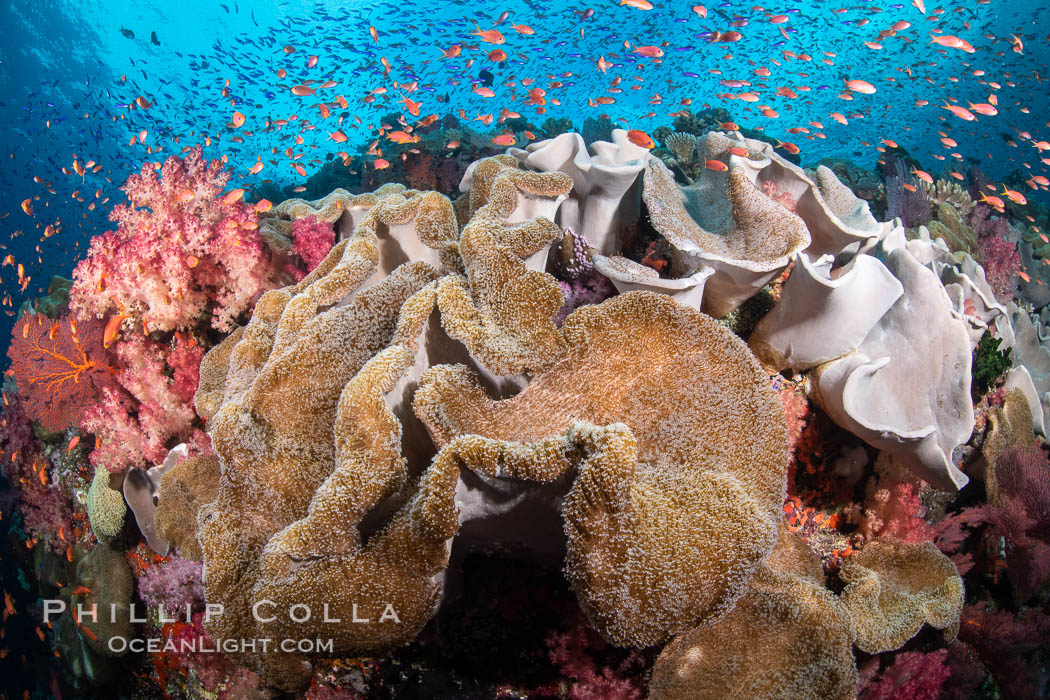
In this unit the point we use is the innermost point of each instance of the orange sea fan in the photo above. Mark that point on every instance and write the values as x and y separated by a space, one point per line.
60 367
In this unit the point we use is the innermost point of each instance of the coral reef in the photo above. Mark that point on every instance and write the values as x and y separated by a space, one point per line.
727 224
453 405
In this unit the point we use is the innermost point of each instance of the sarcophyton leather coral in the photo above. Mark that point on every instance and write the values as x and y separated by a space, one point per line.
788 637
894 587
644 554
330 490
503 311
270 394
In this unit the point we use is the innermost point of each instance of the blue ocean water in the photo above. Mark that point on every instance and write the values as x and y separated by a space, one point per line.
73 71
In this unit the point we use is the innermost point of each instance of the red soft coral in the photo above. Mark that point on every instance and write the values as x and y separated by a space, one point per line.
181 252
60 366
895 512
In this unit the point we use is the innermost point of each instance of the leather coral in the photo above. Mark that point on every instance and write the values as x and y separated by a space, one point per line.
677 447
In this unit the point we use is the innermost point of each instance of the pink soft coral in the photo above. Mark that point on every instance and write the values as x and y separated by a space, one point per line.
150 411
573 652
895 512
174 584
44 507
181 252
312 239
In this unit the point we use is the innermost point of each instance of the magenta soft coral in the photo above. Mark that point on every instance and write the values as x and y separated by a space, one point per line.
572 651
999 256
44 508
311 241
1004 643
173 584
912 676
181 252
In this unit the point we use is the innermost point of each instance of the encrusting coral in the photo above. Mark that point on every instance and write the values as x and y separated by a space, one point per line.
893 588
660 460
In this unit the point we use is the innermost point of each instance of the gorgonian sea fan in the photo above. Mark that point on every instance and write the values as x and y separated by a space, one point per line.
60 367
181 252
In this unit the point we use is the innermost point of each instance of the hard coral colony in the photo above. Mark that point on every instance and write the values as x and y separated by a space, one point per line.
595 415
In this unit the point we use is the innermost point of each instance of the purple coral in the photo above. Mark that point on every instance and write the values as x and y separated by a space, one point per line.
173 584
999 256
582 284
906 197
1022 517
1004 642
44 508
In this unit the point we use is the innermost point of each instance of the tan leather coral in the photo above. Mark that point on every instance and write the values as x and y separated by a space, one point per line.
681 432
185 488
725 222
788 637
503 311
271 403
893 588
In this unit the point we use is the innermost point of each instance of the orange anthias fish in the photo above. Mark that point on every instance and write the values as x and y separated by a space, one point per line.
412 107
960 112
640 138
402 137
952 42
861 86
113 329
649 51
491 36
